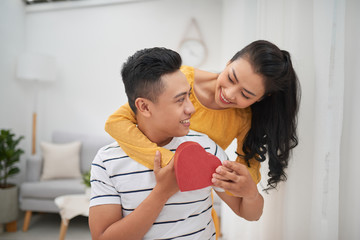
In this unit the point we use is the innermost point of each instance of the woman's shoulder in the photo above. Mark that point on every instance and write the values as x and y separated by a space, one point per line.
203 76
188 72
246 112
243 113
199 75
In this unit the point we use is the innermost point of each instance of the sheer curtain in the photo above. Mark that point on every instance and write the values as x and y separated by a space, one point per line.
329 29
307 205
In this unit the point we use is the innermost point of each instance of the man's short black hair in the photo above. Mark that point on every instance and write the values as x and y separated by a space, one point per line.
142 73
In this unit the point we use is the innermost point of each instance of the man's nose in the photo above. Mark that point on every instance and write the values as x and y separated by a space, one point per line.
189 108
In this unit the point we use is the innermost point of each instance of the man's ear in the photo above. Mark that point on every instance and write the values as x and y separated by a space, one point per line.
142 105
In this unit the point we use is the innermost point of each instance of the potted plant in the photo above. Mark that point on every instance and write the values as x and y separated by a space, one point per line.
86 182
9 155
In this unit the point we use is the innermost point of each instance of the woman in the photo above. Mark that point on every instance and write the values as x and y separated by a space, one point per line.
255 100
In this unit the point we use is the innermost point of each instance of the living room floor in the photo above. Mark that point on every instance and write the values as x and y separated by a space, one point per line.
46 226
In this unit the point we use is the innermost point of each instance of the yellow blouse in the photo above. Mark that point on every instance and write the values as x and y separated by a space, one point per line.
222 126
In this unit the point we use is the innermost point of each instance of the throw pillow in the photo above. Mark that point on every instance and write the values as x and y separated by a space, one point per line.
61 160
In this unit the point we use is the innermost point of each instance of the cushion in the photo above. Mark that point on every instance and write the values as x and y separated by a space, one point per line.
61 160
52 188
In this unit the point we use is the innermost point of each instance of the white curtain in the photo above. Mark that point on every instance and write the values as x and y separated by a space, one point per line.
329 28
307 205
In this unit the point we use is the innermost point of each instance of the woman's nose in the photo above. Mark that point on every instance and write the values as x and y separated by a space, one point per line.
230 93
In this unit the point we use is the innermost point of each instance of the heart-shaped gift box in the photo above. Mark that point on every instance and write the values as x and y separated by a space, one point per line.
194 166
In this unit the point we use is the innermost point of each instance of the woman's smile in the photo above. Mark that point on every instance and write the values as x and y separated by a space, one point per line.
223 99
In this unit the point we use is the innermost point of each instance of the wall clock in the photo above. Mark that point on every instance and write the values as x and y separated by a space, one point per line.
193 50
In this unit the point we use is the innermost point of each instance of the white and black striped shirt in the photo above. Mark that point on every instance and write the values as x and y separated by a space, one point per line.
118 179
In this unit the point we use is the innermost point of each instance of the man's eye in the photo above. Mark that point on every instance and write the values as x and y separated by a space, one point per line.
181 100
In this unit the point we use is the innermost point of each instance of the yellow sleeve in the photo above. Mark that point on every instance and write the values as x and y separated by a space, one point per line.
254 168
121 125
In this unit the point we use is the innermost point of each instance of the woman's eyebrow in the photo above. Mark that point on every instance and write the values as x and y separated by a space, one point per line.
234 75
251 93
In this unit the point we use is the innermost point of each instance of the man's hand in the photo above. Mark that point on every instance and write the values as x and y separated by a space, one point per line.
166 183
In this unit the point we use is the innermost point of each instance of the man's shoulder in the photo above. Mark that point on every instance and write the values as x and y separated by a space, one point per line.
111 150
207 143
195 133
198 137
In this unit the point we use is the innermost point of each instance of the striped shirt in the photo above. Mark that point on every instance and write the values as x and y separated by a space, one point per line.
117 179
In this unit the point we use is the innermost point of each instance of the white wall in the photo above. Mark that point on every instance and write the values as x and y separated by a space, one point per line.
90 44
13 95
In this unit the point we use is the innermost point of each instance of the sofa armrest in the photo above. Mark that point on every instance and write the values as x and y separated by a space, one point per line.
33 168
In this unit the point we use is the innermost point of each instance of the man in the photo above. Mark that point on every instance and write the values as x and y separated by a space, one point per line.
130 201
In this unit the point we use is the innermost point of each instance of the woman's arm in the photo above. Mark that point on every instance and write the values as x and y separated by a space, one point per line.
246 201
121 125
106 221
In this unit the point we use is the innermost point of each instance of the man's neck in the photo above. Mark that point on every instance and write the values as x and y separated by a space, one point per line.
151 135
163 143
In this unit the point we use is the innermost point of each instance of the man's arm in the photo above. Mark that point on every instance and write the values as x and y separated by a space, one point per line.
107 222
246 201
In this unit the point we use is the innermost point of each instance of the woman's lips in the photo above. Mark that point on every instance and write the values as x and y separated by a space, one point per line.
223 99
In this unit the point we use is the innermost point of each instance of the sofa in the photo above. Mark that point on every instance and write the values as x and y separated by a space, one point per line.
38 194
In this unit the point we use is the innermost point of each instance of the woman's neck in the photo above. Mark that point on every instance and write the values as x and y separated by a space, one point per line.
204 88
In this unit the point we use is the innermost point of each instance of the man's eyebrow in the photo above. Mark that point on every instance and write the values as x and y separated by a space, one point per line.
251 93
182 93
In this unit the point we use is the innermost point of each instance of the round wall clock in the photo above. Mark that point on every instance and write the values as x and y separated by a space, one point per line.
193 49
193 52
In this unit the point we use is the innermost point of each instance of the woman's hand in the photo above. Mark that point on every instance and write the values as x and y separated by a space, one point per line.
166 183
246 201
236 179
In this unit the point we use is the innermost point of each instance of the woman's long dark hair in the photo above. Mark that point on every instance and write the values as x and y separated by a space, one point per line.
274 118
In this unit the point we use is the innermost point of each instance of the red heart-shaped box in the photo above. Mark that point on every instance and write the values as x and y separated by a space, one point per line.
194 166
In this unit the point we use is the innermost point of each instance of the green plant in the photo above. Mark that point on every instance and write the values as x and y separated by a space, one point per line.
9 156
86 178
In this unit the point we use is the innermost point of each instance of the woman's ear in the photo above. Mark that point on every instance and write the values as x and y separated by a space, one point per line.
142 105
260 99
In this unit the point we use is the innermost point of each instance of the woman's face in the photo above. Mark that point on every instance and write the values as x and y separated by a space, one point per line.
238 86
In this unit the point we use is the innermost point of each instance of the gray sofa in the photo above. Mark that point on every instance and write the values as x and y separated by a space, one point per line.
37 195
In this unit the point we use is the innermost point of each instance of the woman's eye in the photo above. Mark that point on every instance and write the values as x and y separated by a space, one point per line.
230 80
242 93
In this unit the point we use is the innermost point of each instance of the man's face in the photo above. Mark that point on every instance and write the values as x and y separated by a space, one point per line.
170 114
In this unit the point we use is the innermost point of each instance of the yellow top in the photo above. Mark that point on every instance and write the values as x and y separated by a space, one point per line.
222 126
